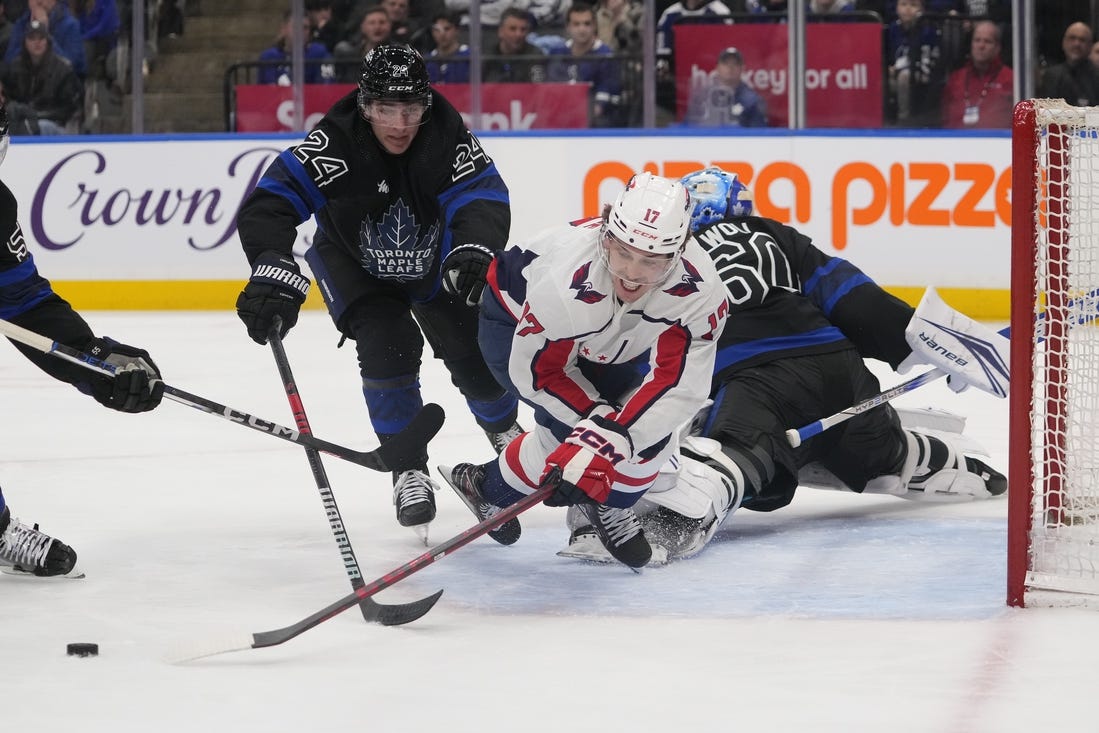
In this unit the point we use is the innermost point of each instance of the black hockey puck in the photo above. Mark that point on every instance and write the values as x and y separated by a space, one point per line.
82 650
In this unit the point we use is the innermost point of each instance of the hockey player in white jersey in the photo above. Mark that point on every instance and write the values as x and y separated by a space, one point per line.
607 327
800 324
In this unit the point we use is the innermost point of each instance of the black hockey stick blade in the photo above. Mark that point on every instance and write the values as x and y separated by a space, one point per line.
397 614
261 639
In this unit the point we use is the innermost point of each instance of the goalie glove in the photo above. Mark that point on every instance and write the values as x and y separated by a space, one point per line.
136 385
464 271
276 288
586 461
969 352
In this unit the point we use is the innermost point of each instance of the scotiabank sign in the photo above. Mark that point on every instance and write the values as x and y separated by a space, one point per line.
843 69
270 108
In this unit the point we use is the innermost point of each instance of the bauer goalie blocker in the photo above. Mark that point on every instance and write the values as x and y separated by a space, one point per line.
1053 523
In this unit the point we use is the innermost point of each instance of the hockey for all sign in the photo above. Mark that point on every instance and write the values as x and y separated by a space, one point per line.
270 108
843 69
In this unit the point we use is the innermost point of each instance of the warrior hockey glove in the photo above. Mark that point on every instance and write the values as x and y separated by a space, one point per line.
464 271
276 288
135 386
587 460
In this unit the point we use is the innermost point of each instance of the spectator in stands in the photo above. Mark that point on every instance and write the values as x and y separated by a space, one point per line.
315 72
402 28
66 39
322 29
44 94
99 23
515 57
419 13
1093 55
374 30
765 6
980 95
1076 80
684 9
443 64
913 54
831 7
1050 25
584 58
726 100
619 24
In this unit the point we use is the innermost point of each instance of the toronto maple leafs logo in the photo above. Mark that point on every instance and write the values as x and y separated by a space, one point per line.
688 283
392 249
585 293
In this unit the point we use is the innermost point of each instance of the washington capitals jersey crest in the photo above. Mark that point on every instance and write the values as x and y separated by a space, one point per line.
581 283
688 283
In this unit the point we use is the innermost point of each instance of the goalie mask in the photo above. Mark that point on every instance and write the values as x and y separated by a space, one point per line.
716 194
651 216
3 131
394 88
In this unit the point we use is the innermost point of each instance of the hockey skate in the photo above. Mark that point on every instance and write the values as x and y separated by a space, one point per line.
618 531
500 440
28 551
414 499
466 480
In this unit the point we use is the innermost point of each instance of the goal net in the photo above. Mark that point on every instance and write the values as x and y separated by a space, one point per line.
1053 523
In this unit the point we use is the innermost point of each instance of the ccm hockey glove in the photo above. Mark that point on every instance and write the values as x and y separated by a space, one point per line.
464 271
136 385
586 461
276 288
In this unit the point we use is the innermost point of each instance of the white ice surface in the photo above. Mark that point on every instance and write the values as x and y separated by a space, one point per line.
837 613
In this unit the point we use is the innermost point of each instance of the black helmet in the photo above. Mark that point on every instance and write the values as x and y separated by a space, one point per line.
397 72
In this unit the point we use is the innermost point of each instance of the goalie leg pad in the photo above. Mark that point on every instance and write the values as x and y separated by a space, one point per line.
945 466
950 483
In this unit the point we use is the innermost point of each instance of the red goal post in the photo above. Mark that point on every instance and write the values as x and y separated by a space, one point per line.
1053 517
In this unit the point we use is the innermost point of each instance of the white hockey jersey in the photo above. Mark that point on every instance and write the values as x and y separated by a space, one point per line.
562 298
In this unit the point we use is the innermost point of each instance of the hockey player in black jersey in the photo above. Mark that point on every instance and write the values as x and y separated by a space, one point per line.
800 324
409 211
27 300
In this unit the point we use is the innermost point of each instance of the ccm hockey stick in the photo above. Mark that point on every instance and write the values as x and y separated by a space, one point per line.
373 612
796 436
261 639
401 451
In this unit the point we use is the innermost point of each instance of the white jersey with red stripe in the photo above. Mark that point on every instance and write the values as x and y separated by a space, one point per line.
562 297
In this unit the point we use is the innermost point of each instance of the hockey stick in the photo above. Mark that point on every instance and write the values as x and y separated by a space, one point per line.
797 436
261 639
374 612
401 451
